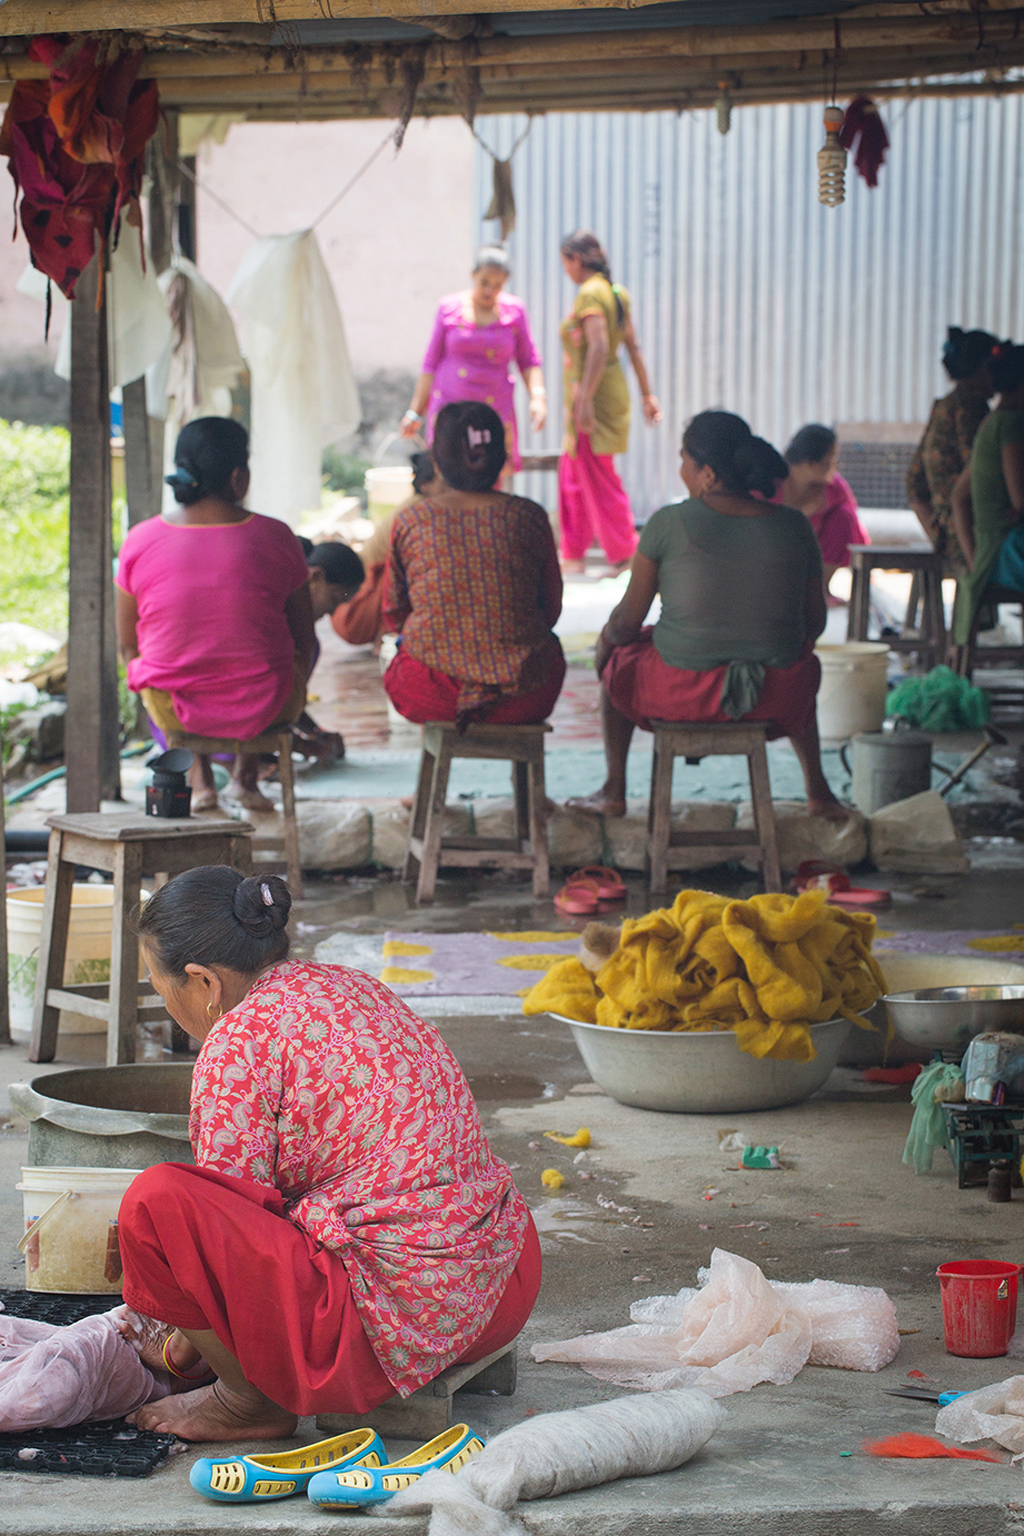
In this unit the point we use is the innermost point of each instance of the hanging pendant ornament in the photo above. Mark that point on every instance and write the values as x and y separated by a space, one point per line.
832 161
723 107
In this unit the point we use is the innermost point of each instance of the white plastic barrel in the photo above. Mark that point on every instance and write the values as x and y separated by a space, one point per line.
87 958
853 686
70 1240
387 486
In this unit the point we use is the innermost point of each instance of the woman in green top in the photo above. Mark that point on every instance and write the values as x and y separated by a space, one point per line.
988 498
742 603
592 501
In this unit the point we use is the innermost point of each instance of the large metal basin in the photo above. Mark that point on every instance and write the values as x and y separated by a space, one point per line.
948 1018
700 1074
131 1116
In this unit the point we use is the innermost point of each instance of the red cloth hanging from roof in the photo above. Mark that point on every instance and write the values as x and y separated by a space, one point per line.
75 144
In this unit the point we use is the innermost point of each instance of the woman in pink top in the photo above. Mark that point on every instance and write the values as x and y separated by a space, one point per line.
478 335
817 489
214 615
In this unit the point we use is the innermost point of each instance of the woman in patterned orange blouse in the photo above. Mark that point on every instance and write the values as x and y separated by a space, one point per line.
474 587
346 1232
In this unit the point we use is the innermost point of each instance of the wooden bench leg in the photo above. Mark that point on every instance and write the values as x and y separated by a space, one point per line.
859 614
521 797
434 830
122 1020
764 817
659 814
538 826
292 854
53 943
418 819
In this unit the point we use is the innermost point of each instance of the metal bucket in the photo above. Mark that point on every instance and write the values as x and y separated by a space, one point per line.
131 1116
889 766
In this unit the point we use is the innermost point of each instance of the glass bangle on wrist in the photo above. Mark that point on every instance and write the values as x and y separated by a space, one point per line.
411 415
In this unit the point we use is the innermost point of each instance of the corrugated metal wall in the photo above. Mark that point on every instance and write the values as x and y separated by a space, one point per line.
747 292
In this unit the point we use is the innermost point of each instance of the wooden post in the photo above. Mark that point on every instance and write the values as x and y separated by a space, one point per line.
91 752
141 474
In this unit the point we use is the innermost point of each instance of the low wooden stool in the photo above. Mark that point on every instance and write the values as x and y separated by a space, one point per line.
278 742
744 739
929 641
133 847
428 1412
964 658
520 745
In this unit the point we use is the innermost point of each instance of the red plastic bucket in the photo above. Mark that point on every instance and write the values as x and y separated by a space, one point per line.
979 1306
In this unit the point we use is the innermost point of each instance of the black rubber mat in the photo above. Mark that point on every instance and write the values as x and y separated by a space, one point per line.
113 1448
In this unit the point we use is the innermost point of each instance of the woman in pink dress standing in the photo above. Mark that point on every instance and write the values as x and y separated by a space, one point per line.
478 335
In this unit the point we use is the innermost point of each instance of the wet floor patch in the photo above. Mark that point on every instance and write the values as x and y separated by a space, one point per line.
503 1087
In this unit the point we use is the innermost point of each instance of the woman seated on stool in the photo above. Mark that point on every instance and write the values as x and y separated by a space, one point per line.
815 487
742 603
346 1233
988 498
214 615
474 588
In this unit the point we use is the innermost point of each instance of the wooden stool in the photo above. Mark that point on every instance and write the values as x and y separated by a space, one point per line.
929 641
133 847
428 1411
520 745
278 742
744 739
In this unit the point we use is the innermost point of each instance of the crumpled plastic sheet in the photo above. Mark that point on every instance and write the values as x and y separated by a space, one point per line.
738 1330
992 1413
556 1453
52 1376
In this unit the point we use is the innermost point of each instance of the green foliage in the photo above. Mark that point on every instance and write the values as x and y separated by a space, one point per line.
34 524
344 472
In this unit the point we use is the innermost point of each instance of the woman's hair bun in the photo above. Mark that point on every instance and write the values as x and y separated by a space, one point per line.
262 905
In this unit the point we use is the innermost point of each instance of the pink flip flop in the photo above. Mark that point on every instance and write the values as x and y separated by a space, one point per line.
608 882
819 875
578 898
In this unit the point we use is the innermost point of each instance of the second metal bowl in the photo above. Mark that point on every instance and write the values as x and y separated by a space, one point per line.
948 1018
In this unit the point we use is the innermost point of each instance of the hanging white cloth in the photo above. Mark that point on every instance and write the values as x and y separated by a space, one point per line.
138 326
304 395
201 363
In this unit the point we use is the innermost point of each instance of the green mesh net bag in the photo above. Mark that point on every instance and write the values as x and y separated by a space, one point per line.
940 701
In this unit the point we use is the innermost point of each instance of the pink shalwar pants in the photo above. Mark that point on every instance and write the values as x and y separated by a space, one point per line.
593 505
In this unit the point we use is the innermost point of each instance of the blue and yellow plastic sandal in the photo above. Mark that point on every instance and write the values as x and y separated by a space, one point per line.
356 1487
252 1479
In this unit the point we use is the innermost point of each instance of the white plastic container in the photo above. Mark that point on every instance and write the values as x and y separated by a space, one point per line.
853 686
387 486
87 957
70 1239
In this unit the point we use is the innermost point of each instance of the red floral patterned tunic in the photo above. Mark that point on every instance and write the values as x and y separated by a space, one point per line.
323 1084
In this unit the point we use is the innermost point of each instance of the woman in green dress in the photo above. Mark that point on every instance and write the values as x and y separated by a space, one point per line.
988 498
592 502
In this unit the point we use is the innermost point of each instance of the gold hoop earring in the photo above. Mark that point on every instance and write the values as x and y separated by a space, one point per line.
209 1012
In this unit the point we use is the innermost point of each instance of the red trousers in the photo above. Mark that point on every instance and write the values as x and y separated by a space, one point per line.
422 693
644 688
206 1250
593 507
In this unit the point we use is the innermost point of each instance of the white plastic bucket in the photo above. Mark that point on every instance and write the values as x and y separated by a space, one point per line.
70 1240
853 686
87 957
387 486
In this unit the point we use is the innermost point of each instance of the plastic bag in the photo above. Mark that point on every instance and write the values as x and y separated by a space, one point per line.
940 701
737 1331
558 1452
928 1126
992 1413
51 1377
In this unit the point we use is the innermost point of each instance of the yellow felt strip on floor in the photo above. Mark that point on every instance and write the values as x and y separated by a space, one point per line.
999 943
532 936
399 947
530 962
397 974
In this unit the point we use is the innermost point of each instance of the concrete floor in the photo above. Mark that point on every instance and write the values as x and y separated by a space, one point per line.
638 1226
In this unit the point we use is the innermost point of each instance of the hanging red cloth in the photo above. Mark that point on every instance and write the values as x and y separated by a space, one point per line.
861 119
75 144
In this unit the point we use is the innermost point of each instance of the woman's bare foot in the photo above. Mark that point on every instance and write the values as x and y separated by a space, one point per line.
830 810
600 804
204 800
248 799
218 1413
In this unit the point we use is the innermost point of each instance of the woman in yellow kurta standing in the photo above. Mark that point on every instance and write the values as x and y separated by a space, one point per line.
592 501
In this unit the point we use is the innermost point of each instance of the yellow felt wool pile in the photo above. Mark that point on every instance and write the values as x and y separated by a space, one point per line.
765 968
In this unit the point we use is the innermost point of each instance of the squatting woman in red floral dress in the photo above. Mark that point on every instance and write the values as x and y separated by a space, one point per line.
346 1232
